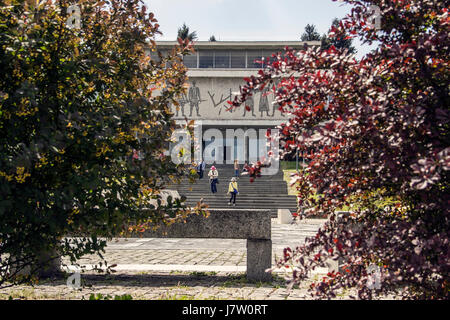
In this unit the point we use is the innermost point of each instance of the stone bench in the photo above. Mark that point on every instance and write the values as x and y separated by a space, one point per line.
253 225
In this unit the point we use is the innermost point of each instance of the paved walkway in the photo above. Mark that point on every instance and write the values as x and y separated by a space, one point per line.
135 254
180 269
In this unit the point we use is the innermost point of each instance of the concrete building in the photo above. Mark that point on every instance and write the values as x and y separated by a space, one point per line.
216 70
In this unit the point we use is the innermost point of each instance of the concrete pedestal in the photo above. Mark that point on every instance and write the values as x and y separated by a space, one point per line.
284 216
259 258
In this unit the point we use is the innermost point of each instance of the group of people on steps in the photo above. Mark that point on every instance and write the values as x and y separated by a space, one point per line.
213 176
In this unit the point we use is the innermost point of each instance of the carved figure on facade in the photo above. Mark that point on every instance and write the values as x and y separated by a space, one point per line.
183 101
276 105
264 102
250 103
194 98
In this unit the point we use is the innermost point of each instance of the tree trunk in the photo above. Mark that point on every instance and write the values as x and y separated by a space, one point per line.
48 264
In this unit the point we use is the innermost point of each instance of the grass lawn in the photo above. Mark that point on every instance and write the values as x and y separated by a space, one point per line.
381 202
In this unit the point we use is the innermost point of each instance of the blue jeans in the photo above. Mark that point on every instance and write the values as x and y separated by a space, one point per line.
213 185
236 173
233 197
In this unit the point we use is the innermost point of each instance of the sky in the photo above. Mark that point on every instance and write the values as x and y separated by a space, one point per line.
246 20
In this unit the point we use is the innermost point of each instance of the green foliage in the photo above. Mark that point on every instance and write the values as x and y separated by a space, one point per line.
203 273
183 33
290 165
100 296
337 42
310 33
75 104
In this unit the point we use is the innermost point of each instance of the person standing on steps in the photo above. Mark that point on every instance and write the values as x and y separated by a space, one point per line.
213 175
233 190
236 168
201 168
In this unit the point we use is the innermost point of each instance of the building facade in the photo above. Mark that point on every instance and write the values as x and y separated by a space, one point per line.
215 72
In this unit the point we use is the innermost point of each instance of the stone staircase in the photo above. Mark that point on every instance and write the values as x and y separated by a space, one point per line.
266 192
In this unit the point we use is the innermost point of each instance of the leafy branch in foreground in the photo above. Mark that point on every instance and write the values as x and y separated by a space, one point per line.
374 129
76 106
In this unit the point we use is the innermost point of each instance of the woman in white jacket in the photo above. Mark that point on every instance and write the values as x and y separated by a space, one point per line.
213 175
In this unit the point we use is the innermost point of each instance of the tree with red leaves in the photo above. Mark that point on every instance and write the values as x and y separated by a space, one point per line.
377 135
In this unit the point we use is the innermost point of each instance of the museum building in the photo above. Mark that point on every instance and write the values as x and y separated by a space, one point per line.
215 72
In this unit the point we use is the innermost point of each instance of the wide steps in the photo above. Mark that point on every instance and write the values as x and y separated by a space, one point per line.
242 190
265 192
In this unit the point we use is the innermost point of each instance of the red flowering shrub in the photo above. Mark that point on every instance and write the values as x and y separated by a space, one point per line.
376 132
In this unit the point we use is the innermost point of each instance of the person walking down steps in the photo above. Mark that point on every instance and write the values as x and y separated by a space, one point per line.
213 175
236 168
233 191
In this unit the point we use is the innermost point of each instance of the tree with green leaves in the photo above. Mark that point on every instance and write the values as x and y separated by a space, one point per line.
183 33
310 33
340 42
84 126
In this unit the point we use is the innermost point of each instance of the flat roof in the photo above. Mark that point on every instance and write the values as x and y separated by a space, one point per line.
243 44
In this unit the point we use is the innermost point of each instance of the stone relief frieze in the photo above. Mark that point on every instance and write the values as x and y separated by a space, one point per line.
195 105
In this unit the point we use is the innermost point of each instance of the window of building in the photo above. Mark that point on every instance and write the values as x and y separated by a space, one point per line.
221 59
268 57
252 57
190 61
154 56
206 59
238 59
228 59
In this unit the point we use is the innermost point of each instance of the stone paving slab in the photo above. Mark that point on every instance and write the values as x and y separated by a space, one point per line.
156 268
163 285
209 252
